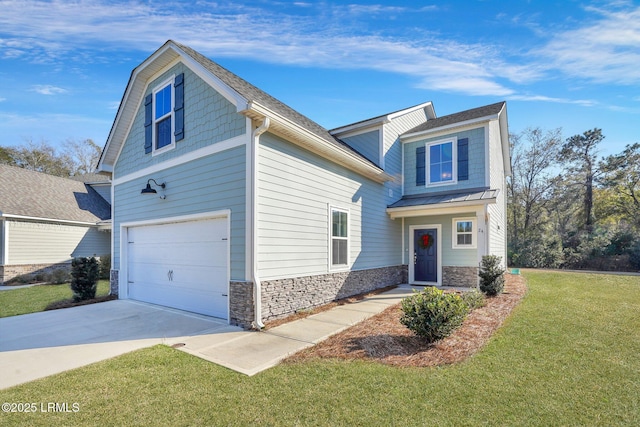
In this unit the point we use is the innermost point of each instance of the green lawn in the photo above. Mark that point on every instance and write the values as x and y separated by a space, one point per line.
36 298
568 355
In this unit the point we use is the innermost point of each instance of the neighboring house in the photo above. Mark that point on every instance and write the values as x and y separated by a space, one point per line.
45 221
259 211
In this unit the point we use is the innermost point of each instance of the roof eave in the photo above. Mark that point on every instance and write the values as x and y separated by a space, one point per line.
306 139
416 135
439 208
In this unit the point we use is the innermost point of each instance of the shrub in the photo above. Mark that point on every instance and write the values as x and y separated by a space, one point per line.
491 275
474 299
432 314
84 273
105 266
59 276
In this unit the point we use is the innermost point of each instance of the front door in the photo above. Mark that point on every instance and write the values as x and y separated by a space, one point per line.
425 259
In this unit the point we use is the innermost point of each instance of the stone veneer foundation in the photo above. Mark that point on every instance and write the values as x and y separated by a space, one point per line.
286 296
460 276
8 272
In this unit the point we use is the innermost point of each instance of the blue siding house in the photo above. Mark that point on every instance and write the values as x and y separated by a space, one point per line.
229 203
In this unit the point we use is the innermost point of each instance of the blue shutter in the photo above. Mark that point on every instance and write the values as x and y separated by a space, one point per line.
148 122
179 106
463 159
421 172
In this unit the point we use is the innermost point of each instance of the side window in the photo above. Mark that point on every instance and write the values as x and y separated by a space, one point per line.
339 238
464 230
164 116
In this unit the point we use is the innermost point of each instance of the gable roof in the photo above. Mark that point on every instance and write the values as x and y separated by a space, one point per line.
25 193
473 114
249 101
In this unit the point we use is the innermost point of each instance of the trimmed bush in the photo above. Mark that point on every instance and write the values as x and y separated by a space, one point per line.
491 275
474 299
105 266
84 282
59 276
432 314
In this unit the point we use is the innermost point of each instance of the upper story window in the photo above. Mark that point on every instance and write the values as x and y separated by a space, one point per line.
339 238
164 116
442 162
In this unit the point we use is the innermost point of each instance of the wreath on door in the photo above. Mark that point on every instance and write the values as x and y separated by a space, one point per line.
425 241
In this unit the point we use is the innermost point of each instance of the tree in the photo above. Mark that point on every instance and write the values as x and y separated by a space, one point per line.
44 158
621 175
534 154
83 154
581 151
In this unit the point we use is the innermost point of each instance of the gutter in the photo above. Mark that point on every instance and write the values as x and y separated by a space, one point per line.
257 288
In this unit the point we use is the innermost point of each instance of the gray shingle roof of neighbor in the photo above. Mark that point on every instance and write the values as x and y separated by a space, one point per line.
252 93
472 195
462 116
35 194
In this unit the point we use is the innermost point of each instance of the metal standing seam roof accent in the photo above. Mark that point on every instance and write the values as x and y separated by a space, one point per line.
38 195
449 197
462 116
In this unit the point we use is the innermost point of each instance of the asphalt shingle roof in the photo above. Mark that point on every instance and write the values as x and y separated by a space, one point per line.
35 194
462 116
252 93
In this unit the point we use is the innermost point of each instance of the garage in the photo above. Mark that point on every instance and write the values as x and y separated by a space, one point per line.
183 265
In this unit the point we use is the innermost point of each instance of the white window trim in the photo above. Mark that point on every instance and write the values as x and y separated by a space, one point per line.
168 82
454 166
330 264
474 233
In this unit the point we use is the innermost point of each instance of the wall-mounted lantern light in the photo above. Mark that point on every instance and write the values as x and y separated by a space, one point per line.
149 190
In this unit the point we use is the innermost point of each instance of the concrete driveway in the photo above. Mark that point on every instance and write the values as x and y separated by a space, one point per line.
36 345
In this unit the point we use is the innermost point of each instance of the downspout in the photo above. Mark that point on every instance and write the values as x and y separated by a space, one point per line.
257 290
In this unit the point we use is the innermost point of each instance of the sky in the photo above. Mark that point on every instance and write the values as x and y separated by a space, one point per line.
570 64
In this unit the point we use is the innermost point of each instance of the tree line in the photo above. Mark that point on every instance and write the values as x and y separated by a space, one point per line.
76 157
568 207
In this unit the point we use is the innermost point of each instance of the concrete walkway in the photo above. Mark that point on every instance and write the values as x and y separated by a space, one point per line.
253 352
37 345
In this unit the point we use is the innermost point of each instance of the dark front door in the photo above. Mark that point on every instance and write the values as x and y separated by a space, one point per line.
425 255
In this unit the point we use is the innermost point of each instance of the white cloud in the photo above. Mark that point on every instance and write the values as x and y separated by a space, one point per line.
604 50
48 90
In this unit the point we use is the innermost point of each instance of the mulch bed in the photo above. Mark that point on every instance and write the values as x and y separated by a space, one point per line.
384 339
66 303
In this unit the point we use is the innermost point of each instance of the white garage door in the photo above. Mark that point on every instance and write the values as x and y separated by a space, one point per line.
182 265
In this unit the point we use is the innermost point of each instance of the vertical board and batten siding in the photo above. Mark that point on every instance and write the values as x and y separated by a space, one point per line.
367 144
296 187
393 148
42 243
208 184
209 118
477 162
497 211
450 257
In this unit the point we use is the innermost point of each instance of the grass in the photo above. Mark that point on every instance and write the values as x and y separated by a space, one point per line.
37 298
567 356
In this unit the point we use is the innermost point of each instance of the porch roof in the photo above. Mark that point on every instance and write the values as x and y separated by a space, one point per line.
411 205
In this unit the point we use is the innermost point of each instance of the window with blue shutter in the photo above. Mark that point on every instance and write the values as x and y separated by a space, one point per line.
178 87
463 159
421 159
148 122
164 116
